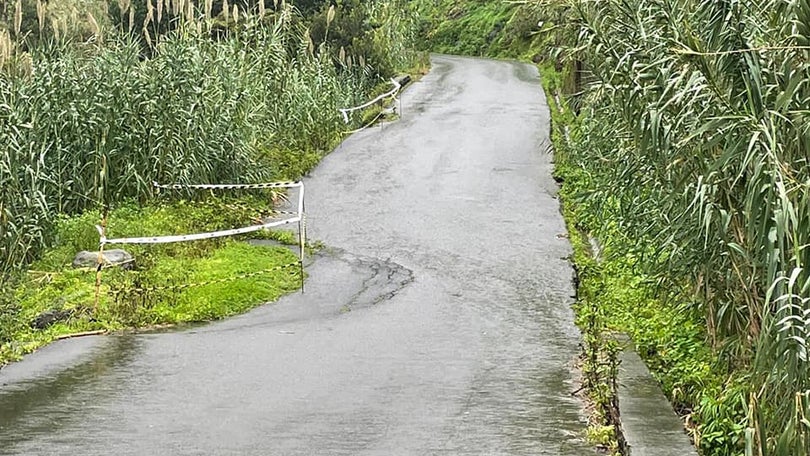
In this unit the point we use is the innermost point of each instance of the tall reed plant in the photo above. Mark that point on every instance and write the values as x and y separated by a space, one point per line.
91 124
695 140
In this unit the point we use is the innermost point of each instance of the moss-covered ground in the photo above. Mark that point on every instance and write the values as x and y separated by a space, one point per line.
167 284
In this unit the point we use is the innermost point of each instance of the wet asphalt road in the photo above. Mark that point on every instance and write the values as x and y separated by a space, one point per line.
437 322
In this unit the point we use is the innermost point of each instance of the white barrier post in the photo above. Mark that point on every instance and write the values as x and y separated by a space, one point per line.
301 233
102 229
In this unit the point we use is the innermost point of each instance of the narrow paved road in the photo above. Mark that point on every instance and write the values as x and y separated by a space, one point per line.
437 323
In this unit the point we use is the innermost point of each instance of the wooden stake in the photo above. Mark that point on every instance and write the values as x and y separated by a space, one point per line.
100 259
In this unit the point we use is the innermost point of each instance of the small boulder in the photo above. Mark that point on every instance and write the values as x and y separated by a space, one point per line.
115 257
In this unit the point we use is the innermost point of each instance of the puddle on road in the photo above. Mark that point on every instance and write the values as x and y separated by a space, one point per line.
61 383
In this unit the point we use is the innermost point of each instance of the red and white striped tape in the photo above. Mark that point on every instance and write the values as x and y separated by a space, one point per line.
299 217
228 186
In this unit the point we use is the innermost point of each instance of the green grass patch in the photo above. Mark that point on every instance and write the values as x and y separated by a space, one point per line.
238 275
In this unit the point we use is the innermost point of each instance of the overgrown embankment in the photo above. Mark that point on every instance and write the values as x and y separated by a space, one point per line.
227 276
685 156
192 94
482 28
617 294
689 164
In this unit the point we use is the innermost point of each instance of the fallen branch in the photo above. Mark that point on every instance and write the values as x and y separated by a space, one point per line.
81 334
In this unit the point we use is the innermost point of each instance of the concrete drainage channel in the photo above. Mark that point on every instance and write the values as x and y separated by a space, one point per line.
647 421
649 425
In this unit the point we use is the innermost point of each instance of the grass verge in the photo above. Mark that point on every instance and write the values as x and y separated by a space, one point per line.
167 284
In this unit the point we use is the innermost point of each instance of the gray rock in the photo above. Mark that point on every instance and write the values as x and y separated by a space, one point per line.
115 257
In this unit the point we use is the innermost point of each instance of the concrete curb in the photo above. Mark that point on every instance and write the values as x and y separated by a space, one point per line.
650 426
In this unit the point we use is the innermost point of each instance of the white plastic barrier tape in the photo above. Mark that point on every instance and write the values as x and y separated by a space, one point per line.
393 92
229 186
299 216
193 237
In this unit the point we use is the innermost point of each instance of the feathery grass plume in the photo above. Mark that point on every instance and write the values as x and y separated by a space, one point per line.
17 17
56 29
147 37
123 8
93 25
190 11
150 14
6 49
40 15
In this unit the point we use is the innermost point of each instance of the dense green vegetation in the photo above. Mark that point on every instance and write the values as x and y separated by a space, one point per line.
617 293
688 161
710 130
98 104
482 28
